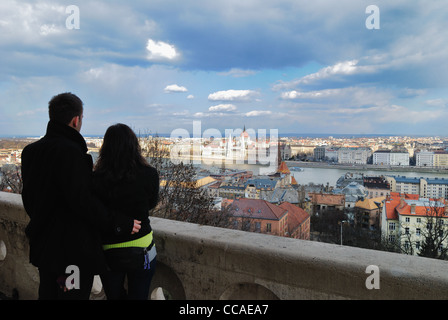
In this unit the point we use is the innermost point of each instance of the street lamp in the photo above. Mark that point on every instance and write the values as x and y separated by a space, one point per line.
343 221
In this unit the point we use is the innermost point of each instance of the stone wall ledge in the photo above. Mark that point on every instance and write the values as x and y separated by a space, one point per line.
201 262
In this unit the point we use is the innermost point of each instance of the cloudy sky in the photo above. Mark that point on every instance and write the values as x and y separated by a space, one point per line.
294 65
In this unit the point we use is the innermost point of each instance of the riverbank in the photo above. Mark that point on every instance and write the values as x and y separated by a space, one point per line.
364 167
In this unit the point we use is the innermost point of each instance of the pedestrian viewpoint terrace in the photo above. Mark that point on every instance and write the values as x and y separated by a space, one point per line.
205 263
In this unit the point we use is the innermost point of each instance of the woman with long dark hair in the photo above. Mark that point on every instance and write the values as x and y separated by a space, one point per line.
127 184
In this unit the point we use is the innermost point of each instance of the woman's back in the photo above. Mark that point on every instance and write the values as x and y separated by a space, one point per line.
131 198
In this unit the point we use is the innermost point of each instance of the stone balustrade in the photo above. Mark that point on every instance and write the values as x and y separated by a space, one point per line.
200 262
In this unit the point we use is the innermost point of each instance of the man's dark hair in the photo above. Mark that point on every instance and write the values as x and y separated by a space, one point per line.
63 107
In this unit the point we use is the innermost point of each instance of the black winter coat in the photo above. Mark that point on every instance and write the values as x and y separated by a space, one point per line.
133 199
65 219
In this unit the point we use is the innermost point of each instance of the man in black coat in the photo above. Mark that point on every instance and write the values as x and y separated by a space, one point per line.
65 219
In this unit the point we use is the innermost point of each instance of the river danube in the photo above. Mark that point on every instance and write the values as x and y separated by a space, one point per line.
331 175
315 175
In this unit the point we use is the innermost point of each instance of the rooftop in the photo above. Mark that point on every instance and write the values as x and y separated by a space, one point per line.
257 209
405 204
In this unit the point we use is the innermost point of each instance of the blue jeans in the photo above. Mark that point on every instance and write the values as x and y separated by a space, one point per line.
138 283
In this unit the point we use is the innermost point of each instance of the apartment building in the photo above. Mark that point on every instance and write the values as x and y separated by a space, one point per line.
368 213
405 219
327 153
424 159
440 159
391 158
424 187
352 155
437 159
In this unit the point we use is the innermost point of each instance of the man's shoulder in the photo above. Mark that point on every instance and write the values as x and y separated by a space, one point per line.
29 148
57 146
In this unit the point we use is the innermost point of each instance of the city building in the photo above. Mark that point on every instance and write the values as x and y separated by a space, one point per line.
258 215
424 187
391 158
319 153
440 159
424 159
326 153
368 213
352 192
298 221
352 155
435 158
325 201
376 186
406 219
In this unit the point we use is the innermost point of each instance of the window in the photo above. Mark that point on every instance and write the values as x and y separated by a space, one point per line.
408 219
406 231
391 226
406 244
391 238
268 227
417 231
419 220
257 226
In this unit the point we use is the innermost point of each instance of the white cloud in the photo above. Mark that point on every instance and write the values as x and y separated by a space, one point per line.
345 68
437 102
49 29
175 88
232 95
352 97
341 68
238 73
294 94
158 50
222 107
256 113
190 96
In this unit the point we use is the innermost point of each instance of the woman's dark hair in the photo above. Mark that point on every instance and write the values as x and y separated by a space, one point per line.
120 155
63 107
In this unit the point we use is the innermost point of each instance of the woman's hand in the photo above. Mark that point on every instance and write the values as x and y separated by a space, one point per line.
136 227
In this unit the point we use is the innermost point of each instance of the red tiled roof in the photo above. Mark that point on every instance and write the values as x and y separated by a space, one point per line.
257 209
396 205
283 168
296 215
327 198
293 180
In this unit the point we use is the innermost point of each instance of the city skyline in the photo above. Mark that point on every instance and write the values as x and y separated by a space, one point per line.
295 66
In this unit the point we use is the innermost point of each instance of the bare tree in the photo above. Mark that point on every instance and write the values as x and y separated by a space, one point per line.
326 223
11 178
181 198
435 232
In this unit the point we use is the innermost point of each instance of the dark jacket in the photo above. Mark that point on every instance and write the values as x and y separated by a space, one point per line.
133 199
65 219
